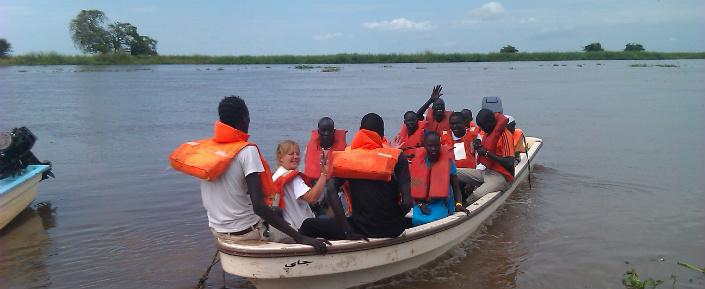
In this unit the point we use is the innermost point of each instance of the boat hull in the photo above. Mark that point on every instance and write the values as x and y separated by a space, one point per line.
349 267
20 192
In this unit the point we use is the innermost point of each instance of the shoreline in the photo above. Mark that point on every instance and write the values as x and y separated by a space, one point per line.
342 58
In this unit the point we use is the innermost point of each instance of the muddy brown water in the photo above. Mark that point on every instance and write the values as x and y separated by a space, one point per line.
619 184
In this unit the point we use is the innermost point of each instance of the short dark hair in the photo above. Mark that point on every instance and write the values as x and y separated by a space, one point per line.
410 112
466 111
325 119
485 116
457 114
373 122
232 110
432 133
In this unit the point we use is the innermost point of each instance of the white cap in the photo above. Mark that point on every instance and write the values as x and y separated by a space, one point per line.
511 118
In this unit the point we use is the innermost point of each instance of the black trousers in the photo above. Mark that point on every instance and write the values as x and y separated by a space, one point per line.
324 227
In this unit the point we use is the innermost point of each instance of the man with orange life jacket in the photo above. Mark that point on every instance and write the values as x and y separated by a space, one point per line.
323 140
468 121
517 138
434 185
436 118
296 194
495 152
410 136
462 141
379 188
236 186
462 144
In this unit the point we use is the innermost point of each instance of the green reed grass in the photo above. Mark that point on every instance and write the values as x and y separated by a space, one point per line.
342 58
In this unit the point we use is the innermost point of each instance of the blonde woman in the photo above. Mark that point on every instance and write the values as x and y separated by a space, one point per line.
297 195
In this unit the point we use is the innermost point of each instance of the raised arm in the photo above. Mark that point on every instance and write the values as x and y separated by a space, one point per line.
314 194
254 188
435 94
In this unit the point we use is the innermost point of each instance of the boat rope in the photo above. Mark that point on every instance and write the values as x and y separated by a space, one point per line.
202 282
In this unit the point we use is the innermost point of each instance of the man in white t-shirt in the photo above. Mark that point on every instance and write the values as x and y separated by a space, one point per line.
235 202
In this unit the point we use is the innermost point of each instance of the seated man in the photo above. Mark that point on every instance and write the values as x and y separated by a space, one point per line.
436 118
379 188
462 142
324 139
518 139
495 154
236 186
468 121
410 136
434 185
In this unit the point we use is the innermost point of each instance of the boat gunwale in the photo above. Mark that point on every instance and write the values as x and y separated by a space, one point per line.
378 243
8 184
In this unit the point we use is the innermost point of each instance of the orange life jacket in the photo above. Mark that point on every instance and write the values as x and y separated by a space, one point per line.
519 140
208 159
409 143
430 182
489 142
471 124
312 164
442 127
285 178
473 130
466 141
366 158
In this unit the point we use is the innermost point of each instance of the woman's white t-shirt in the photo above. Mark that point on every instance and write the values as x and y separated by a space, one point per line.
295 210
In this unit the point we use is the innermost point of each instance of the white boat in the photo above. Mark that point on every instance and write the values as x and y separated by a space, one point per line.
16 193
347 264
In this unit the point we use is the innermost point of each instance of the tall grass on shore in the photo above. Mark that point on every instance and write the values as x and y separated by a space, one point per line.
342 58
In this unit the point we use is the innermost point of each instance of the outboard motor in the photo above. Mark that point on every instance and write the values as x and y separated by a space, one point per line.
15 154
493 103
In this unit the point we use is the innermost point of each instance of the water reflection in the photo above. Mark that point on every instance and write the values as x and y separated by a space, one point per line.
24 245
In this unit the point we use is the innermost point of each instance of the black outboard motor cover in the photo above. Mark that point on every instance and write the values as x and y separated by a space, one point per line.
15 154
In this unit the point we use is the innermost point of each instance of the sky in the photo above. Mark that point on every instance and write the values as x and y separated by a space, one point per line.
186 27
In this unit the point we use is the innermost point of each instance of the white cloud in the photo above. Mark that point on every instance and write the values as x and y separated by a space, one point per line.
327 36
487 12
398 24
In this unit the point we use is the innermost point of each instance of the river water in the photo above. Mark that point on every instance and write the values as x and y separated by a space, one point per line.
619 184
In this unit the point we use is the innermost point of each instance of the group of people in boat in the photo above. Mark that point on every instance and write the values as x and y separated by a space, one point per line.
438 163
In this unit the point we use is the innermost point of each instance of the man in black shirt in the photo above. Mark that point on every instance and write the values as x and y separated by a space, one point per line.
378 207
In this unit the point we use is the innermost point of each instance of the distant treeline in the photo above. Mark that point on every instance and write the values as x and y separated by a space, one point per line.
343 58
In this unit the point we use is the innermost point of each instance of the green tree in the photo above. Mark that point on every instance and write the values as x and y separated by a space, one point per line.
634 47
121 36
124 38
88 32
91 35
5 48
508 49
592 47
